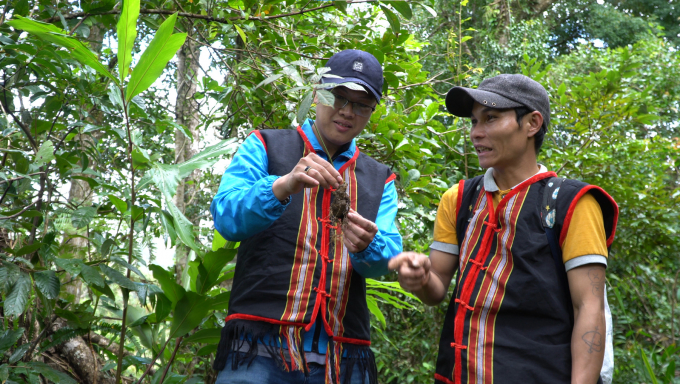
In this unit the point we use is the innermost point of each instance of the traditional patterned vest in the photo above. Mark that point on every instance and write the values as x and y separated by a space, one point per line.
296 270
509 321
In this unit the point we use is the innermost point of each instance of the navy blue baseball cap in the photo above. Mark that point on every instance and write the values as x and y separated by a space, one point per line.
356 66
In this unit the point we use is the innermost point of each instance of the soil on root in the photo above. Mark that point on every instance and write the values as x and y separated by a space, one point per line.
339 209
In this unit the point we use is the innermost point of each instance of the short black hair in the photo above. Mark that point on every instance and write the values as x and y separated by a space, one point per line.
540 135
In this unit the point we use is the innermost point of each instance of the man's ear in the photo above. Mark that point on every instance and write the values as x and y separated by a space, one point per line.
534 120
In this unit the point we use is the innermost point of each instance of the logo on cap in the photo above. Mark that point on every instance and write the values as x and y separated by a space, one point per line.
358 66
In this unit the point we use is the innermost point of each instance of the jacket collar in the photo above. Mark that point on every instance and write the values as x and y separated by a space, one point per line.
490 183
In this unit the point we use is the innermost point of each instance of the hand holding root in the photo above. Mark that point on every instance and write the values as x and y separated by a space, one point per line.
357 232
310 171
413 269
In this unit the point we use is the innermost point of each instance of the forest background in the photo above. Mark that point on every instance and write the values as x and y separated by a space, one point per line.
112 146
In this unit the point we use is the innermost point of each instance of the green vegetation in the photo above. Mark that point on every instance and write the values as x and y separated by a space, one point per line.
115 117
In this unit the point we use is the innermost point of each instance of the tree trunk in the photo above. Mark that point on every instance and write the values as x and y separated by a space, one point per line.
81 358
80 193
186 114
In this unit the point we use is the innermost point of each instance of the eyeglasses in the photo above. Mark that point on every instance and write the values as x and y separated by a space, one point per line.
358 108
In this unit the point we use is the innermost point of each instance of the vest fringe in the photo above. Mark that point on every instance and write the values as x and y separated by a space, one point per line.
255 335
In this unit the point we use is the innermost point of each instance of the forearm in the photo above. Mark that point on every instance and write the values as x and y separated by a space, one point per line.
242 210
588 343
434 291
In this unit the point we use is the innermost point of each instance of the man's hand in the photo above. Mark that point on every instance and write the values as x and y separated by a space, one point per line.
310 171
413 269
358 232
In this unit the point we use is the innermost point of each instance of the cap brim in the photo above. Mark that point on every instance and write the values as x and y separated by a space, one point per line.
336 80
459 101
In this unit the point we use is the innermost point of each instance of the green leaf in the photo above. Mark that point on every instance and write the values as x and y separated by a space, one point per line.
189 313
118 278
154 59
118 203
19 353
72 266
8 338
373 307
648 367
127 32
207 157
413 174
163 307
268 80
137 212
184 228
125 264
240 32
205 336
402 7
218 241
91 276
16 300
216 260
392 19
82 216
50 373
45 153
325 97
171 289
220 302
4 373
57 36
48 283
304 107
341 5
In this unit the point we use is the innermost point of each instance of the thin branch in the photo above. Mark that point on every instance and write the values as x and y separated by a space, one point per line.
194 15
18 213
19 178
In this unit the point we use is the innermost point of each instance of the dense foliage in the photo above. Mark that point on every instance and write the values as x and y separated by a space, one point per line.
97 188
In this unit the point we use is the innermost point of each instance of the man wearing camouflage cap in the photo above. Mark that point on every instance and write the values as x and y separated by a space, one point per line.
529 301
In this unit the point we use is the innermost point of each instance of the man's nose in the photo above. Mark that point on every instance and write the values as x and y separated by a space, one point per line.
347 110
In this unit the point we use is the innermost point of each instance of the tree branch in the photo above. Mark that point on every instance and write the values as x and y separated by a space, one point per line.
194 15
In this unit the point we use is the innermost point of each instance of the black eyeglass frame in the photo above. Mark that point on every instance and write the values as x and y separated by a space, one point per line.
355 104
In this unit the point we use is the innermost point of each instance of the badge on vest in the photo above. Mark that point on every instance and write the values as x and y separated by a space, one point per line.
358 66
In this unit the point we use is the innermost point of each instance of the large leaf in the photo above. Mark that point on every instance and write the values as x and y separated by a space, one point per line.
207 157
8 338
211 268
402 7
205 336
127 32
220 302
50 373
45 153
118 278
303 109
189 312
392 19
171 289
81 217
92 277
160 50
48 283
163 307
16 300
57 36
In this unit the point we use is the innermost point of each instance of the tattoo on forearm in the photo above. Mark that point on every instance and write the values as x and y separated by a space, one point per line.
593 340
596 276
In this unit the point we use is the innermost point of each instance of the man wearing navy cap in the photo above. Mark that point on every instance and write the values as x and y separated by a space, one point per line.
298 312
530 250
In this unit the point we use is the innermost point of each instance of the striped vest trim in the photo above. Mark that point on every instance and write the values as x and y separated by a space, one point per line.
297 270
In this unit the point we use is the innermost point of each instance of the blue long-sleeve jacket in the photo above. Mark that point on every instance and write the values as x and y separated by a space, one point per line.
245 204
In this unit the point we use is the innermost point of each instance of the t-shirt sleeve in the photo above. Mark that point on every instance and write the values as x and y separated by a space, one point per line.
585 242
445 238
